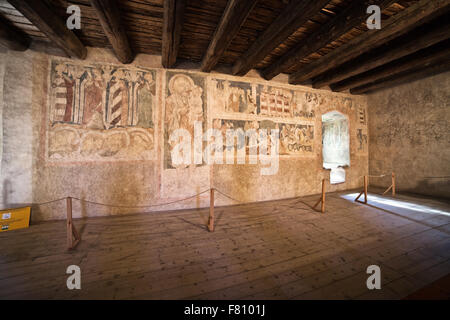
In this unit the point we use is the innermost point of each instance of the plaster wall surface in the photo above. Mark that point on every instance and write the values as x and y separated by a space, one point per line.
17 134
100 131
410 135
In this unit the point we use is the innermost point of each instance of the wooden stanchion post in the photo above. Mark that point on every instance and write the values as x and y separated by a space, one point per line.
364 191
211 211
323 196
393 184
71 230
69 223
321 199
366 182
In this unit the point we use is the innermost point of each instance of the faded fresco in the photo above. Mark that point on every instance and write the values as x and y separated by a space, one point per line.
362 145
362 141
184 104
245 105
101 112
295 139
263 100
361 115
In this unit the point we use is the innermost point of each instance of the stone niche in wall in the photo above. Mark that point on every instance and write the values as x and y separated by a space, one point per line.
101 112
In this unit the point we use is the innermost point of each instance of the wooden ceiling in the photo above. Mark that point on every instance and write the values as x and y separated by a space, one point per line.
318 42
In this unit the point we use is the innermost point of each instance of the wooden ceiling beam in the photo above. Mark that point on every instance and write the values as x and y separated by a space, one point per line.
54 28
406 77
417 41
351 17
398 25
172 26
109 16
294 15
13 38
234 16
422 58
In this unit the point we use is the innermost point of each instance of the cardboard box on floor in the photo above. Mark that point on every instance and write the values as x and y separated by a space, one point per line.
12 219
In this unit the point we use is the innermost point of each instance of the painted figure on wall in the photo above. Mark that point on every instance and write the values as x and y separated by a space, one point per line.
362 140
117 100
110 109
93 100
184 107
296 139
63 94
234 96
145 101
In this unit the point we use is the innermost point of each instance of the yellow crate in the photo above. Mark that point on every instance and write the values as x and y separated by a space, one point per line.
12 219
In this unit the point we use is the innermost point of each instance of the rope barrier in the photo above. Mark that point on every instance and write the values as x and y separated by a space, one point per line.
374 176
188 198
48 202
229 197
379 176
146 206
122 206
73 237
175 201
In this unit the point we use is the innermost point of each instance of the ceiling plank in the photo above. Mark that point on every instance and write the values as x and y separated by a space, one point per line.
418 60
406 77
294 15
172 25
234 16
109 16
47 22
351 17
399 24
417 41
13 38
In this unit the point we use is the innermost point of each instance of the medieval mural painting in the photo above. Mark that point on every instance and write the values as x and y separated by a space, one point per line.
295 139
101 112
263 100
362 140
184 105
361 115
238 104
362 143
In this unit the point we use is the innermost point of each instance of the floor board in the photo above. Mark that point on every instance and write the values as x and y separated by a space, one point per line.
271 250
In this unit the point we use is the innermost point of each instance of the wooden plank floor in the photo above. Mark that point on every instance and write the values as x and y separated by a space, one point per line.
272 250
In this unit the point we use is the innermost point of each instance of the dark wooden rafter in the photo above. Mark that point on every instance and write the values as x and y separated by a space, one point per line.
423 58
416 41
39 13
234 16
13 38
294 15
172 25
398 25
109 16
406 77
351 17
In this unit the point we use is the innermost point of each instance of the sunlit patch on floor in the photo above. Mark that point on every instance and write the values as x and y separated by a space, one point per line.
378 200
